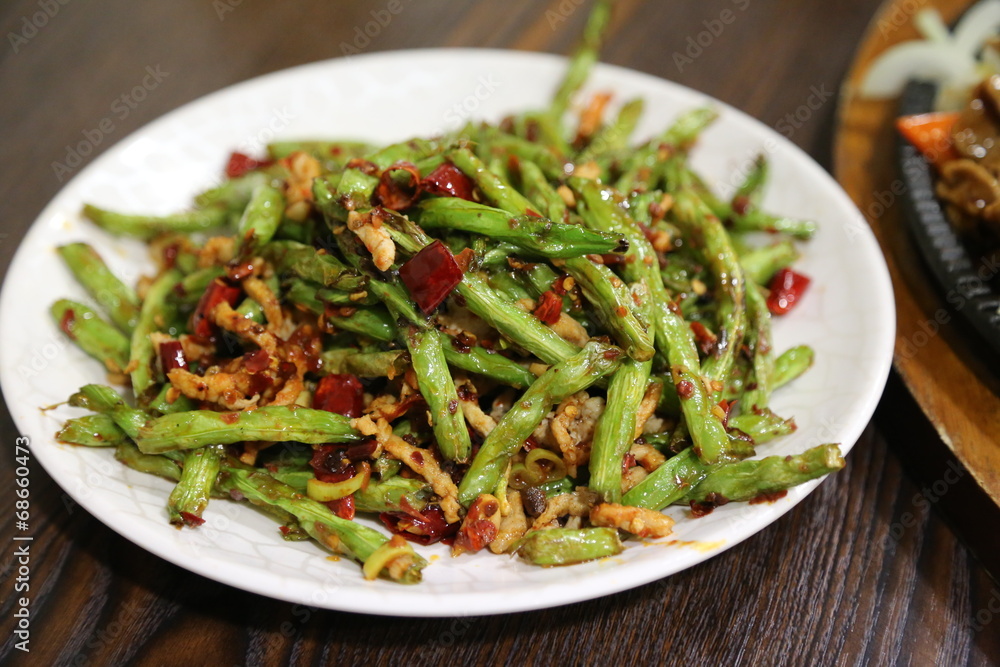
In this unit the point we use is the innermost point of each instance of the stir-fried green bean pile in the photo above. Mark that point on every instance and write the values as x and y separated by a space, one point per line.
527 337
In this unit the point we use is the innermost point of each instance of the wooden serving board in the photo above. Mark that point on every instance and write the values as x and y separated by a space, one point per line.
951 373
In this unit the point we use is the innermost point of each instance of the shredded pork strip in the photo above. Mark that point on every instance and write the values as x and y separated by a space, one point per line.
421 461
646 408
481 422
375 237
577 503
513 525
647 456
258 290
639 521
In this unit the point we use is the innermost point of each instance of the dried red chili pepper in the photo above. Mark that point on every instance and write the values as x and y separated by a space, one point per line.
447 180
426 527
343 507
705 339
172 356
67 322
431 275
786 288
392 193
340 393
191 519
240 164
549 307
216 293
256 361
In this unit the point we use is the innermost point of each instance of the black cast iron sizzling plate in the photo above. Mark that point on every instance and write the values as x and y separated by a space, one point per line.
963 279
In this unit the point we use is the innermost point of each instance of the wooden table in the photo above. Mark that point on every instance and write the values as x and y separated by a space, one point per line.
865 570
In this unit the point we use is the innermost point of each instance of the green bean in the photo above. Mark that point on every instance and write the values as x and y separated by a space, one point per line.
337 297
545 154
758 221
672 333
567 546
335 359
261 218
412 150
792 363
583 58
536 235
200 428
613 304
681 134
127 453
98 430
751 190
614 136
164 406
761 425
751 479
541 194
189 498
389 494
438 389
116 299
374 322
341 150
324 526
392 294
695 220
481 361
497 255
251 310
92 334
377 364
615 429
760 264
510 285
150 320
148 226
353 192
497 190
561 380
668 483
521 327
192 286
105 400
306 262
233 195
556 487
759 343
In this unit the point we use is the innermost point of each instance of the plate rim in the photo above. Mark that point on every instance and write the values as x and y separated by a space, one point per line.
611 585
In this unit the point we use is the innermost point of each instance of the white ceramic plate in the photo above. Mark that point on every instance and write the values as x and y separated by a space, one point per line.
847 317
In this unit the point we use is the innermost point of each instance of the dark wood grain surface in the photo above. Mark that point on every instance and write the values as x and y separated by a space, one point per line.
867 570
